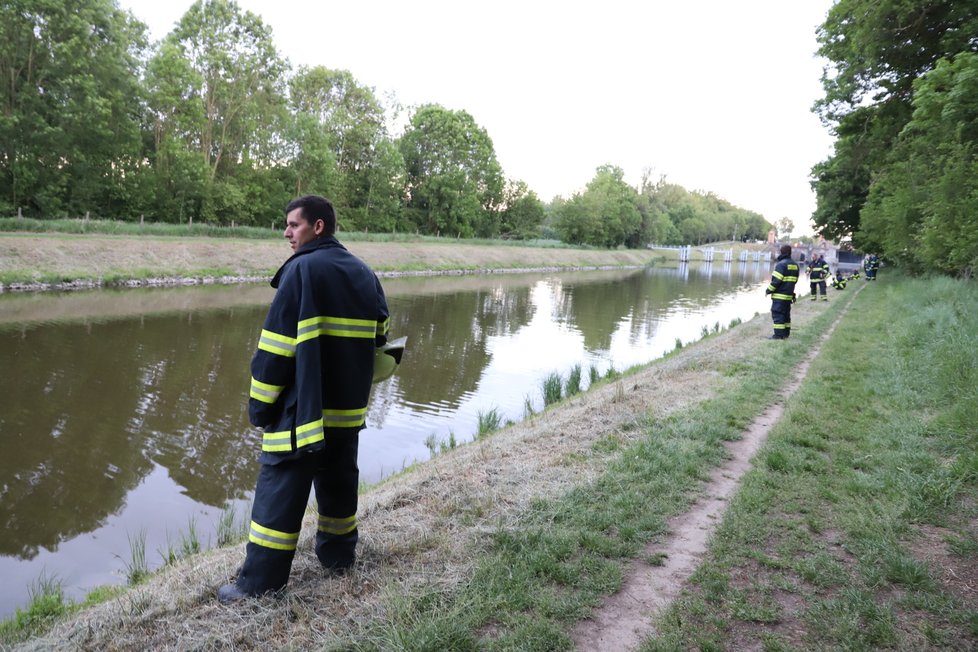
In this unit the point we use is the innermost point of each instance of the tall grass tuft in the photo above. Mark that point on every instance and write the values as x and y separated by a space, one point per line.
229 530
137 569
528 410
679 344
450 444
593 375
489 422
552 390
46 604
573 384
190 542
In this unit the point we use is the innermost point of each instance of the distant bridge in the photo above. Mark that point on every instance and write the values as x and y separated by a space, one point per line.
711 254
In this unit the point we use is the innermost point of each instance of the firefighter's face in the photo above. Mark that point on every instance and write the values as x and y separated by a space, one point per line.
298 230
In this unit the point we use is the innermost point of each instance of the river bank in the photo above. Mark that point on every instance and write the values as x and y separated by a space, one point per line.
49 261
856 525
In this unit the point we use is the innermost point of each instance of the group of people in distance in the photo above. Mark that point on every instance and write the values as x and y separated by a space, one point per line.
785 276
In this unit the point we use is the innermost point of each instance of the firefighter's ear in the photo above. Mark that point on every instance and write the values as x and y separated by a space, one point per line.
319 227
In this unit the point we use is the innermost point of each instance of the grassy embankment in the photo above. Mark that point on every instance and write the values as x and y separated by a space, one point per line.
48 254
111 253
855 530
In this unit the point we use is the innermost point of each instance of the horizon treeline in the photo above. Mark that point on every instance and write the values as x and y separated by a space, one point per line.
212 125
901 94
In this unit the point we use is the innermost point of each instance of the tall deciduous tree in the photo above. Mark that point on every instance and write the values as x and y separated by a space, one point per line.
454 182
69 106
523 212
605 214
922 209
876 50
216 88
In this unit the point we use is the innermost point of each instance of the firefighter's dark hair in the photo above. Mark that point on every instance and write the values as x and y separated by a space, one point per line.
315 208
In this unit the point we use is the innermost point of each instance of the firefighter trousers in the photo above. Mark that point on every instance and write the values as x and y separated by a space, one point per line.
816 286
781 315
281 496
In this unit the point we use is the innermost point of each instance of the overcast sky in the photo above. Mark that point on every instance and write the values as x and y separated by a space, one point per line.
715 95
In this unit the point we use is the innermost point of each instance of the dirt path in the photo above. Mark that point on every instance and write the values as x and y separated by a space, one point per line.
628 617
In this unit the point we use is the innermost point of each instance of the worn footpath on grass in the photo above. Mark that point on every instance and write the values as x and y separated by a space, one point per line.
420 528
627 617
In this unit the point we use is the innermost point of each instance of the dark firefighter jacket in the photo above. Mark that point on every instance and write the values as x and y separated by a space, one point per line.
783 279
818 270
313 367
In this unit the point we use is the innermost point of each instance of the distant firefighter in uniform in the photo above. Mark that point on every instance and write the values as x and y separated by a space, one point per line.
818 272
871 264
782 291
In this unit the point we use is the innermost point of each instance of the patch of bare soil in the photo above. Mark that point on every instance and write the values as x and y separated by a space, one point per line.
627 617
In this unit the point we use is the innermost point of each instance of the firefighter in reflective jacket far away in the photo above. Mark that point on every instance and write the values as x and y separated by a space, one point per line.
310 385
818 274
782 291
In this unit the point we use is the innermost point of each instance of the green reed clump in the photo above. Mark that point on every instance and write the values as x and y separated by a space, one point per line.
137 569
489 422
573 384
593 375
552 389
229 530
47 603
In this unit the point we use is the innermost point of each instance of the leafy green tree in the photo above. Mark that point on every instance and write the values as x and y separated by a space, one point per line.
876 50
922 209
215 89
352 119
784 227
454 182
69 105
606 214
523 213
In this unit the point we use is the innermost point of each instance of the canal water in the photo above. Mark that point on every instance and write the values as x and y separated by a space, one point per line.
123 413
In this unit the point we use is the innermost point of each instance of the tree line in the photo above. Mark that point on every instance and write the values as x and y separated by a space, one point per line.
901 94
213 125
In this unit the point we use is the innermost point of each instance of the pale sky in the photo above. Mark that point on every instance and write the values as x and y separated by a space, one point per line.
713 94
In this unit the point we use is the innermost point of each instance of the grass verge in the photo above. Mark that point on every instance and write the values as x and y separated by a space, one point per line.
857 527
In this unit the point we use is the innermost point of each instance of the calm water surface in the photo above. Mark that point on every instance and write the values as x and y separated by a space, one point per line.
123 413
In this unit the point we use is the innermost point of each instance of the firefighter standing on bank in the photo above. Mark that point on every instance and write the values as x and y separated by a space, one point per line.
311 379
782 291
818 273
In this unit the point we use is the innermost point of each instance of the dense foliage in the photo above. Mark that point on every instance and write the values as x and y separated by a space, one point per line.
901 92
212 125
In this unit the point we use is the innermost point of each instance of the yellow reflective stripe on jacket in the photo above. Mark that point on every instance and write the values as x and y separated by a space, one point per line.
336 327
277 442
783 297
309 433
270 538
331 525
383 327
264 392
787 279
277 344
345 418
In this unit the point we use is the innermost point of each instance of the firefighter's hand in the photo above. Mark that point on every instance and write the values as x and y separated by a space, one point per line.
794 297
